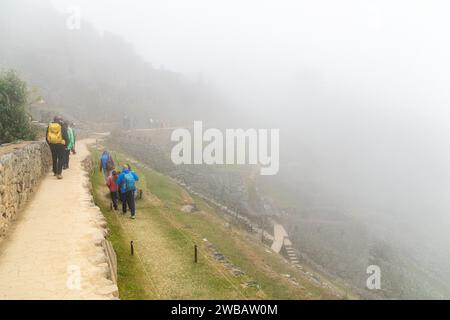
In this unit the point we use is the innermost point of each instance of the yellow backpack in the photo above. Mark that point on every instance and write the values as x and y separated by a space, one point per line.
54 134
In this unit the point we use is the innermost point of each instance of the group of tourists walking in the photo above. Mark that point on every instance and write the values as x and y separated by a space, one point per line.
60 136
121 184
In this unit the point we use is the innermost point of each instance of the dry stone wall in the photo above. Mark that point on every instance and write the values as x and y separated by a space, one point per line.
21 167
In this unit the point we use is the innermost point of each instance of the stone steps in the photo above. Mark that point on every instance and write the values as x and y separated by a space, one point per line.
292 256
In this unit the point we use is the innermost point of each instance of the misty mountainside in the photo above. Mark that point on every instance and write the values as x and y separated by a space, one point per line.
339 240
93 76
363 115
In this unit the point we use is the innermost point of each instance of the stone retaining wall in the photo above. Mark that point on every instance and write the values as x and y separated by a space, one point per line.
21 167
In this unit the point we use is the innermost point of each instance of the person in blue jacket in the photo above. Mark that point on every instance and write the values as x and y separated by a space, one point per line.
127 183
106 164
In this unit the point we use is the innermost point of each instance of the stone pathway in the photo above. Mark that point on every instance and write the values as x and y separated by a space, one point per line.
54 249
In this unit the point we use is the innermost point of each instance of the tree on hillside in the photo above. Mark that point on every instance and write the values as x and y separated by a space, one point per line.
14 120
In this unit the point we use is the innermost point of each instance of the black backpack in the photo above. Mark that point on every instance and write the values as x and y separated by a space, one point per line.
109 163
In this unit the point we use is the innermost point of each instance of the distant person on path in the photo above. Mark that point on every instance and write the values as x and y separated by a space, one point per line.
127 182
113 189
106 164
57 138
126 123
70 147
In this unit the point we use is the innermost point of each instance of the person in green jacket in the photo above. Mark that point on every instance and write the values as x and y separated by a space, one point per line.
70 147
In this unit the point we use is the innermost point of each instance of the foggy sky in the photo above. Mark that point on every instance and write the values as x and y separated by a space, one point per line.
361 85
254 45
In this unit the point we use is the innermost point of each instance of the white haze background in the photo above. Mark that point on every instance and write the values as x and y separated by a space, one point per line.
359 89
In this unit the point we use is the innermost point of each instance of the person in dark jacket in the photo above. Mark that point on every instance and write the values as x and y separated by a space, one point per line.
57 139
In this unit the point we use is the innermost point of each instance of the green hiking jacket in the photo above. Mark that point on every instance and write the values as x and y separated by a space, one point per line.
71 136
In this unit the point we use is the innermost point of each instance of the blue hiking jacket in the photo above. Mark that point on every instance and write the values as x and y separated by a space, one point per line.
104 158
121 180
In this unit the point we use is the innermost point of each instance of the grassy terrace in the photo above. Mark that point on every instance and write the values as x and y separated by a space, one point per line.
163 265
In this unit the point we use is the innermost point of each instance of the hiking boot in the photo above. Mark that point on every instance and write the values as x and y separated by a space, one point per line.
59 177
133 217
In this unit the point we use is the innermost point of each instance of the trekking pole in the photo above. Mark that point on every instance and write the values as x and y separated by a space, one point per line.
132 247
195 254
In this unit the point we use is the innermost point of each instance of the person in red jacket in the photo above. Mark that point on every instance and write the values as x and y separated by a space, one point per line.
113 188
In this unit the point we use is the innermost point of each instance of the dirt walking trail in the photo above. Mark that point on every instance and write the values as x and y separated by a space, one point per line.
54 249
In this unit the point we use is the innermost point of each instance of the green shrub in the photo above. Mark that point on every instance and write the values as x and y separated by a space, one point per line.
14 119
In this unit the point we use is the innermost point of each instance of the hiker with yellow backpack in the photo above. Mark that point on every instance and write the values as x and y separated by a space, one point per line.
57 138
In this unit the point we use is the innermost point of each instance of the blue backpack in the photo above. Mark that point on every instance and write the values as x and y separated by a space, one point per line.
105 158
129 182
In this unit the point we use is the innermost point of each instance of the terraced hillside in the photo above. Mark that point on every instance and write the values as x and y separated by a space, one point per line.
232 262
